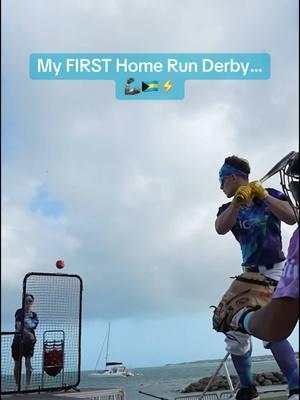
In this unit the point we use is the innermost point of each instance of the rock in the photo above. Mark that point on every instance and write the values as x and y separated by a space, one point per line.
260 379
269 376
267 382
190 389
220 383
275 380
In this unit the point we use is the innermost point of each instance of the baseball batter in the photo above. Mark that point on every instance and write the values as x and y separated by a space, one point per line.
254 217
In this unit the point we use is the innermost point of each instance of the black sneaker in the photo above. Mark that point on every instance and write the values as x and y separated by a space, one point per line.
248 393
294 394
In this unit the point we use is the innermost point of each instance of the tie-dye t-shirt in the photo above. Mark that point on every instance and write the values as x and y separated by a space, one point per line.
288 285
258 232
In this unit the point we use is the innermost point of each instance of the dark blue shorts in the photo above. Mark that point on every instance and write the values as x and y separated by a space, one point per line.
19 349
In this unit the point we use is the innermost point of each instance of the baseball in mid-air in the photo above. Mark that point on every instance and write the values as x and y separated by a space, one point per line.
60 264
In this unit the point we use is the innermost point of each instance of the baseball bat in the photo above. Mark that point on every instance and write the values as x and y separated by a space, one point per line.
277 167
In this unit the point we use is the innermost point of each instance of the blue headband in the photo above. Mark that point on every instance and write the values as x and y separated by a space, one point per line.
227 170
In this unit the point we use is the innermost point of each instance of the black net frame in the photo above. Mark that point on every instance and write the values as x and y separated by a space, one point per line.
58 305
8 383
59 308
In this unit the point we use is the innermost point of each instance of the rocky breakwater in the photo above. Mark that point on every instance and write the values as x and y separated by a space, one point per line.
220 382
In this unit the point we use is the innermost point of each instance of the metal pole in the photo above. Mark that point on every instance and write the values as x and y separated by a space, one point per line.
213 377
79 334
228 378
152 395
107 344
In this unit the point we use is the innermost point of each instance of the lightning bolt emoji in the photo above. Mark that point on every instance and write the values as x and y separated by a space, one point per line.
168 86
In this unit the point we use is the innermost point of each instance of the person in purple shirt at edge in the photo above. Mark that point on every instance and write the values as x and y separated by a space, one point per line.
26 321
278 319
254 217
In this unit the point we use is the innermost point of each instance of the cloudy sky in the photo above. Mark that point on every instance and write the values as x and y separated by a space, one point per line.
127 192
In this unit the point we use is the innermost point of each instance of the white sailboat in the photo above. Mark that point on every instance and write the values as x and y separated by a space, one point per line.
111 368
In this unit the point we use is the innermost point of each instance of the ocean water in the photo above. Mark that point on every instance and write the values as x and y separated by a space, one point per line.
166 381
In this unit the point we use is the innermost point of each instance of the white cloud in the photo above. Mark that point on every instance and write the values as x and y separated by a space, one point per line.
31 241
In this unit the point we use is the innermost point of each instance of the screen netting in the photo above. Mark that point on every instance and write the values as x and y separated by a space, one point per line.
56 357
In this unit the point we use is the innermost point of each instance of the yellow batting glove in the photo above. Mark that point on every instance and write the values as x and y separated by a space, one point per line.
242 195
258 190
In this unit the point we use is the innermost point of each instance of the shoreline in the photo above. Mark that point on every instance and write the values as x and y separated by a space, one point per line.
220 383
261 358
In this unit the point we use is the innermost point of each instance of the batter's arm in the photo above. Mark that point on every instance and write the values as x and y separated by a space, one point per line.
281 209
226 220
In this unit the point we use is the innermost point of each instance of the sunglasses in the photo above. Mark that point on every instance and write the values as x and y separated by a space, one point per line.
221 182
29 301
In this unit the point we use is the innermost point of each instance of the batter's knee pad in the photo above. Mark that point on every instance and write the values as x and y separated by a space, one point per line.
238 343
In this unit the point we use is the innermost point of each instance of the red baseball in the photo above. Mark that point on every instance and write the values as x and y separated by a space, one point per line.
60 264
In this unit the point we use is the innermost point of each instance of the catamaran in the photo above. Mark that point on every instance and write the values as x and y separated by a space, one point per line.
111 368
